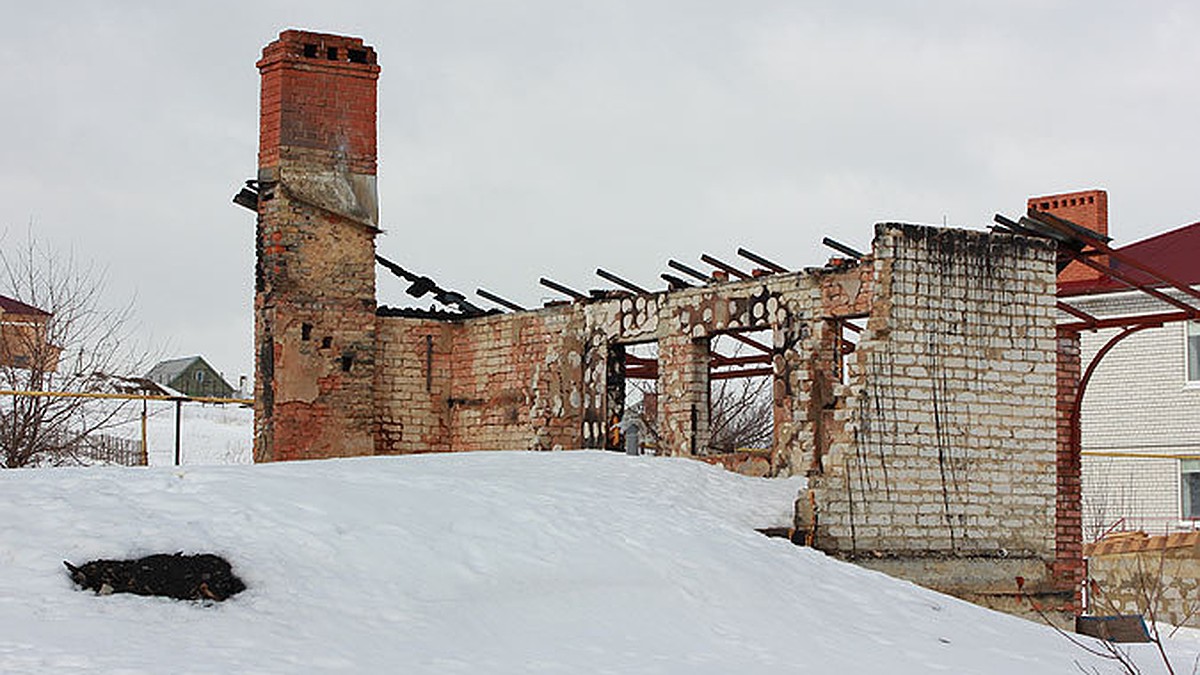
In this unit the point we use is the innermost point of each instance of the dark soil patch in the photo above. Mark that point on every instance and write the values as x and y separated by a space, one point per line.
184 577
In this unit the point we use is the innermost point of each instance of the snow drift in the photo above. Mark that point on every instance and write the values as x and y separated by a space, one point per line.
580 562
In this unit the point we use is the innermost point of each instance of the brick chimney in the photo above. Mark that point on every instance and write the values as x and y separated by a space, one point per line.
1088 208
318 97
315 273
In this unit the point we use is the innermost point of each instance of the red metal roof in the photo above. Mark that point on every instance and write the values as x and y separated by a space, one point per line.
10 306
1174 254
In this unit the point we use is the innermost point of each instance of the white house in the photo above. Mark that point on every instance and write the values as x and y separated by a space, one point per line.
1141 408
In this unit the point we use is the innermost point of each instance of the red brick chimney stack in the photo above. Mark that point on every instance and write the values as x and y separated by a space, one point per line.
318 94
1088 208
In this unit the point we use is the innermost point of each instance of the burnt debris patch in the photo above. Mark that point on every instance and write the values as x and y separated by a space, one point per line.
203 576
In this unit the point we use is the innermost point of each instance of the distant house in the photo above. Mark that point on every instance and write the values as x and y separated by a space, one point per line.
23 339
192 376
1141 410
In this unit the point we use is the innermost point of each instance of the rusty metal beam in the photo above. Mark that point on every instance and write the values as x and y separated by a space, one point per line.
721 265
759 260
634 360
628 285
641 373
719 360
1100 244
1077 313
745 372
1129 281
498 300
674 282
1150 320
555 286
842 248
690 271
749 342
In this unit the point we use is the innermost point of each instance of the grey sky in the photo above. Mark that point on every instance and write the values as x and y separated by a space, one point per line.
522 139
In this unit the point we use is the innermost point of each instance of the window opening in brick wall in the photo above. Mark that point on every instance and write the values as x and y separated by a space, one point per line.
356 55
740 393
310 51
848 332
1193 351
1189 488
639 426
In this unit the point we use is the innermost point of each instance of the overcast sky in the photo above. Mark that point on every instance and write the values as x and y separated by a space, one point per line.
549 138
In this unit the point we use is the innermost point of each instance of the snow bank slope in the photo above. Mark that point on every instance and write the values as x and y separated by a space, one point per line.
477 563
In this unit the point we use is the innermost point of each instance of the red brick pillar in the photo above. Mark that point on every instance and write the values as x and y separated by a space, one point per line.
1068 566
315 274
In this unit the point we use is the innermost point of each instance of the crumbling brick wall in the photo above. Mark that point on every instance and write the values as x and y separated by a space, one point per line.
947 445
543 379
1158 577
315 277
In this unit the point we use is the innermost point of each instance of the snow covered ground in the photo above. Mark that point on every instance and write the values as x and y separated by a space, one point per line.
574 562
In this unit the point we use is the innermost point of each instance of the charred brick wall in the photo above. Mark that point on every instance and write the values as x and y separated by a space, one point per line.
412 384
315 276
543 379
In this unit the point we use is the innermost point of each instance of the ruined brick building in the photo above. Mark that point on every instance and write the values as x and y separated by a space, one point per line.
930 447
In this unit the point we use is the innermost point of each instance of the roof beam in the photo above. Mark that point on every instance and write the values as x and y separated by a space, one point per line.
759 260
628 285
724 266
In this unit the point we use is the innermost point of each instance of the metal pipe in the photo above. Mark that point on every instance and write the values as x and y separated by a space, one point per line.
842 248
498 300
1077 313
718 360
747 372
757 259
562 289
691 272
145 450
674 282
1129 281
724 266
628 285
1150 320
747 341
127 397
178 411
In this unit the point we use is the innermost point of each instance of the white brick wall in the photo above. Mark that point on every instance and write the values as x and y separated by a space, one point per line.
1143 492
1138 403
